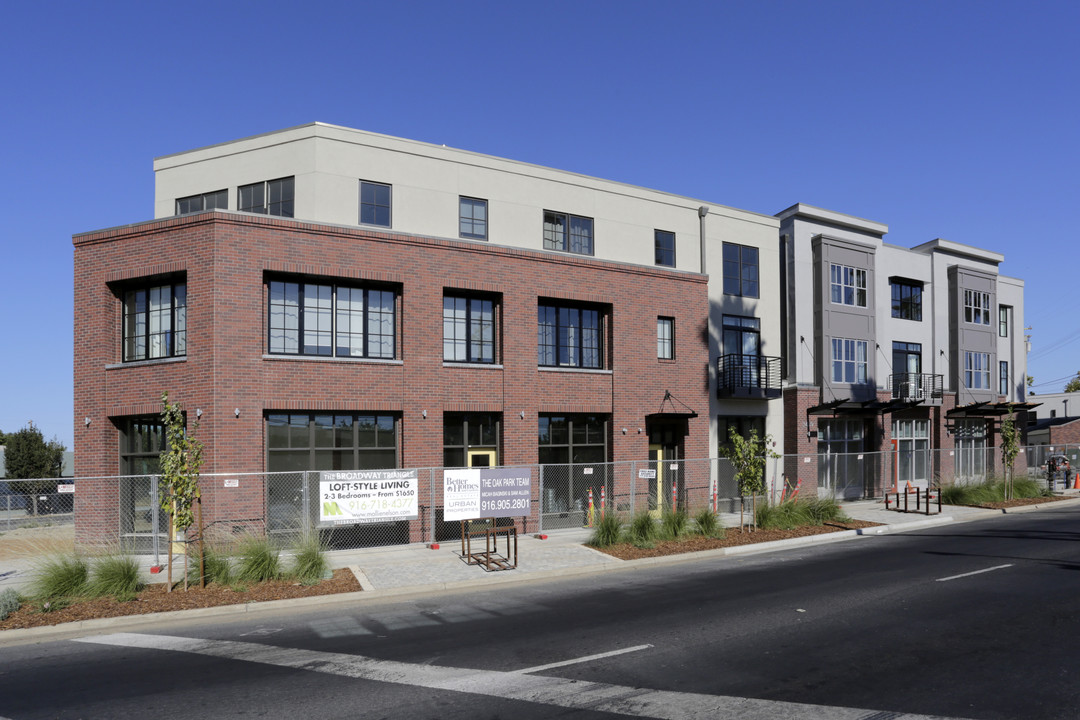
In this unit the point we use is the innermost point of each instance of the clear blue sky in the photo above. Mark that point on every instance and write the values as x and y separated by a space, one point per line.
943 119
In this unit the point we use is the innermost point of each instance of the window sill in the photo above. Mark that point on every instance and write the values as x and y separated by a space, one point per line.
587 371
144 363
479 366
330 359
666 361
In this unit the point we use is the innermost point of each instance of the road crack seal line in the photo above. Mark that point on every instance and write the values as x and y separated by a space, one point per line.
542 689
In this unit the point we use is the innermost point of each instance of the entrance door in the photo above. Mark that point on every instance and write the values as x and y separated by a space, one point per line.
663 460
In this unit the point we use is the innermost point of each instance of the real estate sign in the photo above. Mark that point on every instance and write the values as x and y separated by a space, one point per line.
347 497
472 493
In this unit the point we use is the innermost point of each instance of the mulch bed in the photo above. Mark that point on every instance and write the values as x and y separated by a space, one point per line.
732 538
1018 502
155 599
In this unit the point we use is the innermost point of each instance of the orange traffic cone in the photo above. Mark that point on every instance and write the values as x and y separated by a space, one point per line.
1076 482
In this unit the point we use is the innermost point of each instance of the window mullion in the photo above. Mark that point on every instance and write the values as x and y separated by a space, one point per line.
364 320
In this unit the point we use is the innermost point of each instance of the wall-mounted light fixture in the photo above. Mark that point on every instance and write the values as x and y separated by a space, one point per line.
624 431
236 412
424 413
86 421
198 412
639 431
522 414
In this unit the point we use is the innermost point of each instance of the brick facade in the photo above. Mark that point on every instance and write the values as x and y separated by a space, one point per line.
225 259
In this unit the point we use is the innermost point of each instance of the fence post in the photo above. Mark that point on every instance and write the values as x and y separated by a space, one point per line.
305 501
8 513
540 502
431 505
155 506
633 486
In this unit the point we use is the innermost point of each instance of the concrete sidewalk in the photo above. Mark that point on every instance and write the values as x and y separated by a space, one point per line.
417 570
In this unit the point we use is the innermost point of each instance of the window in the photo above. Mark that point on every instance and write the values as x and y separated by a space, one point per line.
742 425
583 441
468 329
568 233
206 201
469 439
374 204
274 197
1003 377
569 336
912 449
155 322
971 450
665 338
472 218
906 358
1003 320
847 285
665 247
976 307
330 320
142 440
840 442
848 361
740 270
977 370
573 439
906 300
330 441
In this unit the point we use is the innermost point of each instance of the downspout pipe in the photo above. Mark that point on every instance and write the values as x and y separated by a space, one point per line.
701 213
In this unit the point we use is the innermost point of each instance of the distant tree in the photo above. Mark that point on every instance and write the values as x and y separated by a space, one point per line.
1030 383
30 461
1074 384
3 438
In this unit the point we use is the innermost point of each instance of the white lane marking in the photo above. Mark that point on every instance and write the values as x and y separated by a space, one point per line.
587 658
542 689
976 572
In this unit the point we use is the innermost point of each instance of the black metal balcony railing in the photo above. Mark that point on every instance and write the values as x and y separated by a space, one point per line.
752 376
921 387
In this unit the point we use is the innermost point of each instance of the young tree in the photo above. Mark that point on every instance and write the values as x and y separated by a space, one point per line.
178 482
748 456
29 461
1010 448
1074 384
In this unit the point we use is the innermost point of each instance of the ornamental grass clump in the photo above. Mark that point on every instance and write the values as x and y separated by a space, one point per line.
258 560
215 563
991 491
792 514
114 574
707 524
607 531
61 576
674 524
642 531
309 563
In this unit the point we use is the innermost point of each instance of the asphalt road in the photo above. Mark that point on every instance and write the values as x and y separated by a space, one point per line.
972 620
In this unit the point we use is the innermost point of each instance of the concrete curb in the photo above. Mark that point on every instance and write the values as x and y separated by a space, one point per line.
606 564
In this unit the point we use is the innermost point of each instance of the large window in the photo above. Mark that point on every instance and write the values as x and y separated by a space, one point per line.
330 320
912 450
471 439
274 197
1003 377
330 441
977 370
906 299
840 457
664 242
142 440
155 322
971 450
665 338
472 218
570 335
205 201
976 307
1003 320
906 358
374 204
568 233
847 285
741 425
468 329
848 361
740 270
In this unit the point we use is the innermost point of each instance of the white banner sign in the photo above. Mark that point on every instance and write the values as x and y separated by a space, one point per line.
347 497
472 493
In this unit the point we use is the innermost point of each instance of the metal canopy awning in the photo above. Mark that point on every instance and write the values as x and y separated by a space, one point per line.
861 407
672 412
988 409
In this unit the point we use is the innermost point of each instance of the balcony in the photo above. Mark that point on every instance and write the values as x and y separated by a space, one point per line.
748 376
917 387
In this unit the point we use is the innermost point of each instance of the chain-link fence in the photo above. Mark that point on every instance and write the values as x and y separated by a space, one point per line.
18 510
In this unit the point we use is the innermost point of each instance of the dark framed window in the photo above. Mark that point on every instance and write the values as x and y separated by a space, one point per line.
906 357
665 338
847 285
976 307
273 197
977 370
1003 320
1003 377
570 335
331 441
217 200
465 432
155 322
469 329
575 438
472 218
375 203
740 270
309 318
741 424
848 360
664 243
142 440
906 300
569 233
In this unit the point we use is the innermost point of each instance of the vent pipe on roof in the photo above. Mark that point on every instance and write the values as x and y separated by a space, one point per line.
702 212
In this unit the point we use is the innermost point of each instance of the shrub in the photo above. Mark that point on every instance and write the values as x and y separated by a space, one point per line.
708 524
10 600
309 559
991 491
607 531
791 514
258 560
114 574
216 565
673 524
61 576
642 530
